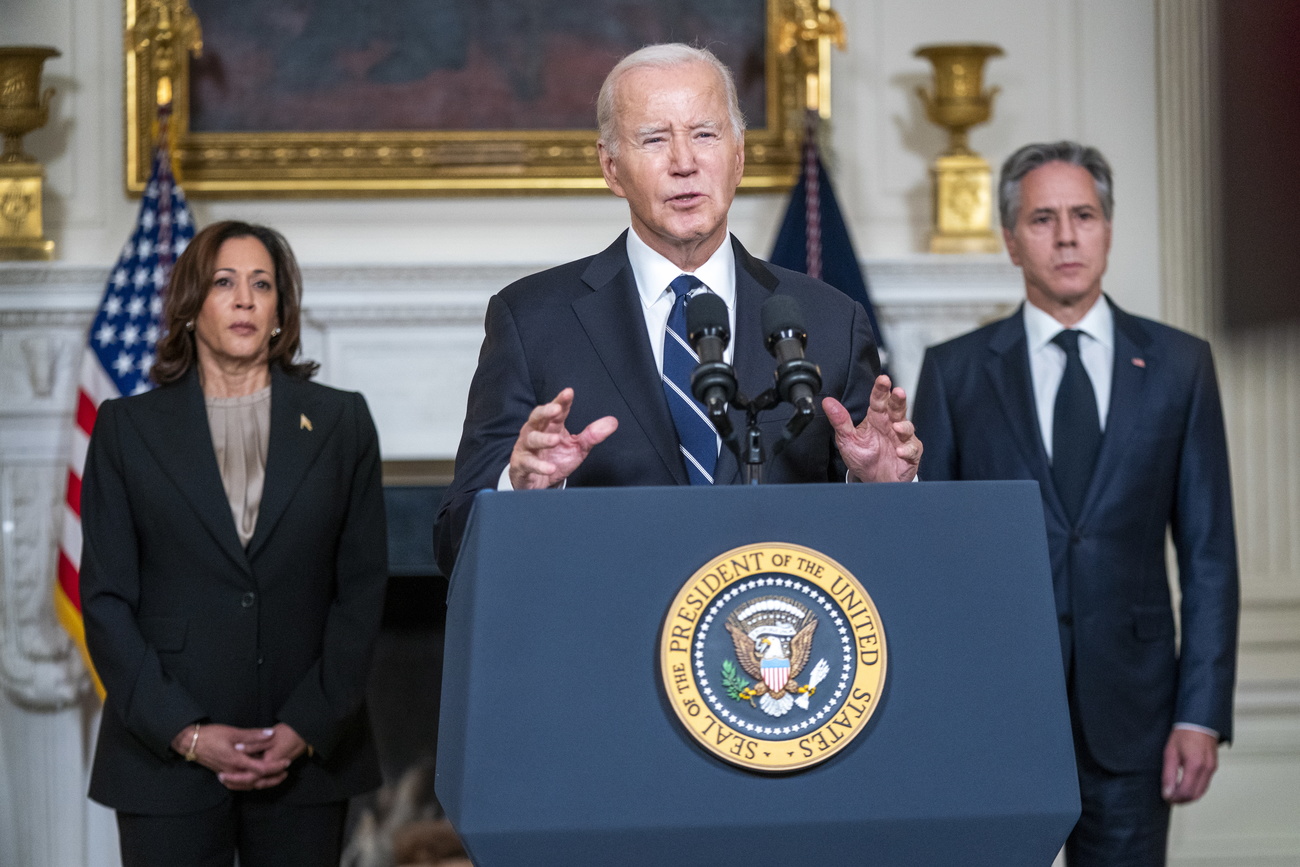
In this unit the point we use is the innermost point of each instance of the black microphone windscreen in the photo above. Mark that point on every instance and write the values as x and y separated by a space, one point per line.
781 313
706 312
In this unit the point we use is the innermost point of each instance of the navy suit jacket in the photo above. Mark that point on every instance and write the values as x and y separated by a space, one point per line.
184 624
580 325
1163 465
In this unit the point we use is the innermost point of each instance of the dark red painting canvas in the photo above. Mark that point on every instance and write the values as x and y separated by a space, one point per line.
371 65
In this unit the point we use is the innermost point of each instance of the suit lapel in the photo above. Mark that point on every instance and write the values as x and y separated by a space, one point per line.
755 283
1128 395
606 314
1008 369
181 443
300 426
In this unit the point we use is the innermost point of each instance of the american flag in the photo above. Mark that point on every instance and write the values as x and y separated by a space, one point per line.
118 356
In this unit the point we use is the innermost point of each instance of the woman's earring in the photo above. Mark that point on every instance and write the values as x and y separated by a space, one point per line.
275 332
189 326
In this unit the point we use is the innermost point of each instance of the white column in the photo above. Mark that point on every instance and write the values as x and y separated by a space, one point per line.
1249 815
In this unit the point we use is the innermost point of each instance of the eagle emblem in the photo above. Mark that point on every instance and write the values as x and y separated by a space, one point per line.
772 657
773 639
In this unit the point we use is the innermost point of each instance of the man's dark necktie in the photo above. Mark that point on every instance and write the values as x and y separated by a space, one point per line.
697 439
1076 428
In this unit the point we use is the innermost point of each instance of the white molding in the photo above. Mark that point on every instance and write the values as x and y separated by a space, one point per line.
406 335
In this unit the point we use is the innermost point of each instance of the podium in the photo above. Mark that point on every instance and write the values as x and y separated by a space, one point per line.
558 744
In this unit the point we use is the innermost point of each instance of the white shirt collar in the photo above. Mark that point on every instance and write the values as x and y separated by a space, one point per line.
1098 323
653 272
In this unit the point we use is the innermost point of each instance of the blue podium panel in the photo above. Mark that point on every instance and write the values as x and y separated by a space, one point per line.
558 746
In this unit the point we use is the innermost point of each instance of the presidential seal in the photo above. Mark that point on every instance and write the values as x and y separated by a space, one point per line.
773 657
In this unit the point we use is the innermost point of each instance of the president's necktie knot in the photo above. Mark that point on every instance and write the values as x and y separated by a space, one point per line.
685 285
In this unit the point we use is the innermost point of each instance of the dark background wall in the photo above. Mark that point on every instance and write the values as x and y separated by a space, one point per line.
1260 73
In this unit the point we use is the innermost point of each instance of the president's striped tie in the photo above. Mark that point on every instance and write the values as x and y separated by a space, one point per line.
696 436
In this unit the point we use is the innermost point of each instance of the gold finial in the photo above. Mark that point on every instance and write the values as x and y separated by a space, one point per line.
162 29
811 28
161 35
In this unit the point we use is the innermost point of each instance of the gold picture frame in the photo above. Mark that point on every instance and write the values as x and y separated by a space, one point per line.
162 33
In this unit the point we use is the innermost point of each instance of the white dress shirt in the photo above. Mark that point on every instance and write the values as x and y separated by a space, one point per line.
1047 360
653 272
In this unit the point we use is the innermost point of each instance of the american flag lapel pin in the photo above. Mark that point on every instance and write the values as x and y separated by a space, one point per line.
304 423
1139 362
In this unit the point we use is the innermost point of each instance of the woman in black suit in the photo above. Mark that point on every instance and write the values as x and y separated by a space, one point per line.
232 577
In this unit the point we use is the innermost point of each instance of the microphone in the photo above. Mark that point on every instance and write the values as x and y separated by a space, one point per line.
797 379
713 381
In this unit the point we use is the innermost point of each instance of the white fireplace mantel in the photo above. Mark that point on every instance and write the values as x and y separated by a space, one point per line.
408 336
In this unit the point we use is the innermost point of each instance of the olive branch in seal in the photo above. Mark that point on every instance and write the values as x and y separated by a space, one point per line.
732 681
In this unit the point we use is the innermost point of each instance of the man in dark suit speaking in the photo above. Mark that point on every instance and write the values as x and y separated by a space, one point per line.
1118 419
580 375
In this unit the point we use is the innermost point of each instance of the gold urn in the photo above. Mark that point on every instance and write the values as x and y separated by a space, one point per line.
963 181
23 108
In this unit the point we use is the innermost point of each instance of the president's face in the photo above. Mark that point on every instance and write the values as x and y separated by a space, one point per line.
678 161
1061 240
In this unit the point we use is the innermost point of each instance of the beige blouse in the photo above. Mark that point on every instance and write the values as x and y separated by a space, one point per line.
241 430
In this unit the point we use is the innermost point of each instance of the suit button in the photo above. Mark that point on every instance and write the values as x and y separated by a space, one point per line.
1076 537
248 599
259 660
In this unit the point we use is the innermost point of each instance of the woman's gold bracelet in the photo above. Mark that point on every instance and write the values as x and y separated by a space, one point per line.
194 743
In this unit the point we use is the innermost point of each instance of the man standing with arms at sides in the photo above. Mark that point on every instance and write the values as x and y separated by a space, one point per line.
1118 419
579 380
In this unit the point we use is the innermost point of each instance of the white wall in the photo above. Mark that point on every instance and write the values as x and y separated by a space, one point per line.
1072 69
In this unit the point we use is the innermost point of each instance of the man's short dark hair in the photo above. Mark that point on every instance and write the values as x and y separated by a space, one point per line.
1031 156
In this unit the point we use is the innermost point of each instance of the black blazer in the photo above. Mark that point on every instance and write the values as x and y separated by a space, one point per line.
184 625
1163 465
580 325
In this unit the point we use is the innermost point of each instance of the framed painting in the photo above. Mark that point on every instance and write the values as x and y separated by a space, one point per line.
439 97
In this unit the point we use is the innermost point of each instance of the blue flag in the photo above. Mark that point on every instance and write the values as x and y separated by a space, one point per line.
814 239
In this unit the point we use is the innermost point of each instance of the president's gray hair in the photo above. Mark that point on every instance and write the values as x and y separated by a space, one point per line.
1031 156
664 56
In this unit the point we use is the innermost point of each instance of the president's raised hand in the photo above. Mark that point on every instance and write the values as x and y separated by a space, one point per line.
545 454
883 447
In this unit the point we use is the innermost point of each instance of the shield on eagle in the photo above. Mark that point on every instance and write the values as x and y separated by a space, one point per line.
775 673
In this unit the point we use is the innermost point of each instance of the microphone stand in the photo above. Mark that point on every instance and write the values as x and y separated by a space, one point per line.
753 459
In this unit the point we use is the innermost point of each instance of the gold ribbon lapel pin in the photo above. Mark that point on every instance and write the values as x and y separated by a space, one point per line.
304 423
